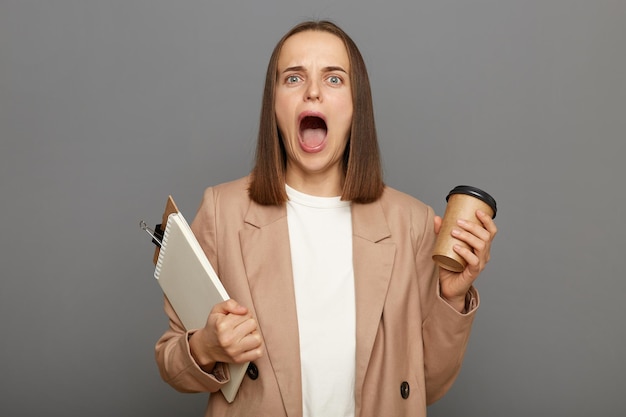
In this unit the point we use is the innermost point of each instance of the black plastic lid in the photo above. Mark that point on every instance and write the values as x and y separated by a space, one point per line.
475 192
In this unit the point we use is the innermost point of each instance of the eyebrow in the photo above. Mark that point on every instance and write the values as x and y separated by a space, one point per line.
330 68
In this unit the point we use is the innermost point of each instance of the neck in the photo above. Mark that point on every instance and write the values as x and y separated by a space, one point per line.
322 185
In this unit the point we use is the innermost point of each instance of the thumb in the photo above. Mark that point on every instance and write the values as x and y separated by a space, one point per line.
438 220
230 307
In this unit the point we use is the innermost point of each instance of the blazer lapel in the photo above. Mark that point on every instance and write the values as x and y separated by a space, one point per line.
267 260
373 263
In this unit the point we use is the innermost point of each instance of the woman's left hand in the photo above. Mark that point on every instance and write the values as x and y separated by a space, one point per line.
455 285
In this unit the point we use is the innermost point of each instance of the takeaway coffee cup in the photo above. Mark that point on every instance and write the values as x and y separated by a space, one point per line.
463 201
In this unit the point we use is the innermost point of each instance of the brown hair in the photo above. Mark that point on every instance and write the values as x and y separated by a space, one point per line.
361 160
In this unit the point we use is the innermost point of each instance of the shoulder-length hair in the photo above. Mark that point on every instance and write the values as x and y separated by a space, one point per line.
361 159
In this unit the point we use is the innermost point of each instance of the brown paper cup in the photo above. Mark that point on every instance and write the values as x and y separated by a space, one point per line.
463 201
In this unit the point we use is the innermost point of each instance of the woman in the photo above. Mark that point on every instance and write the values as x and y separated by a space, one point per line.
335 299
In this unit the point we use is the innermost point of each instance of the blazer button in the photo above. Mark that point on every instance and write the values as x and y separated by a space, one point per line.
253 371
405 390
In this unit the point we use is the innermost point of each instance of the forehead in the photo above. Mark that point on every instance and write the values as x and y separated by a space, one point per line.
313 46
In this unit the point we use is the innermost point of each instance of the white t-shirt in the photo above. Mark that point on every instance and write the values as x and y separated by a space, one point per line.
320 234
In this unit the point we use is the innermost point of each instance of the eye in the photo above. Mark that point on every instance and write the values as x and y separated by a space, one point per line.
334 80
292 79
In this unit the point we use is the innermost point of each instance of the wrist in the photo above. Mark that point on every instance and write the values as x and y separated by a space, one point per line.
200 355
458 303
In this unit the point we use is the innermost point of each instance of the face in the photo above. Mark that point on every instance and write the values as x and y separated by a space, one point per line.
313 105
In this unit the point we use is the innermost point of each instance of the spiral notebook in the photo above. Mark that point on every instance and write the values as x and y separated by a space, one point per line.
191 285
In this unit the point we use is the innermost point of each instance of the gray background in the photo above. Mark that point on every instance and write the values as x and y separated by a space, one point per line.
108 106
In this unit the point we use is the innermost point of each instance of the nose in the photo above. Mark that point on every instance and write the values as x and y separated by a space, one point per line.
312 91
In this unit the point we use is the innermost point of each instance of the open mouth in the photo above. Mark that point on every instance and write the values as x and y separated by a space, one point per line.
313 131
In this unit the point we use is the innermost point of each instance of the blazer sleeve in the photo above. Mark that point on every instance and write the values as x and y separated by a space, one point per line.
173 355
445 331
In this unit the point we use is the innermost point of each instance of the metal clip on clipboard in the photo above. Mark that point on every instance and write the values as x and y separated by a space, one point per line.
159 230
156 234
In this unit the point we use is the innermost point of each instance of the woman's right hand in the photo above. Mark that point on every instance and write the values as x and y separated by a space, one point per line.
230 335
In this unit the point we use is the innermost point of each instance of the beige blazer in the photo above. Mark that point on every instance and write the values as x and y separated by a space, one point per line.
410 342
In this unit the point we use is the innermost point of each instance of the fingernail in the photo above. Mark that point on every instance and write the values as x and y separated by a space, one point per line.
456 232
